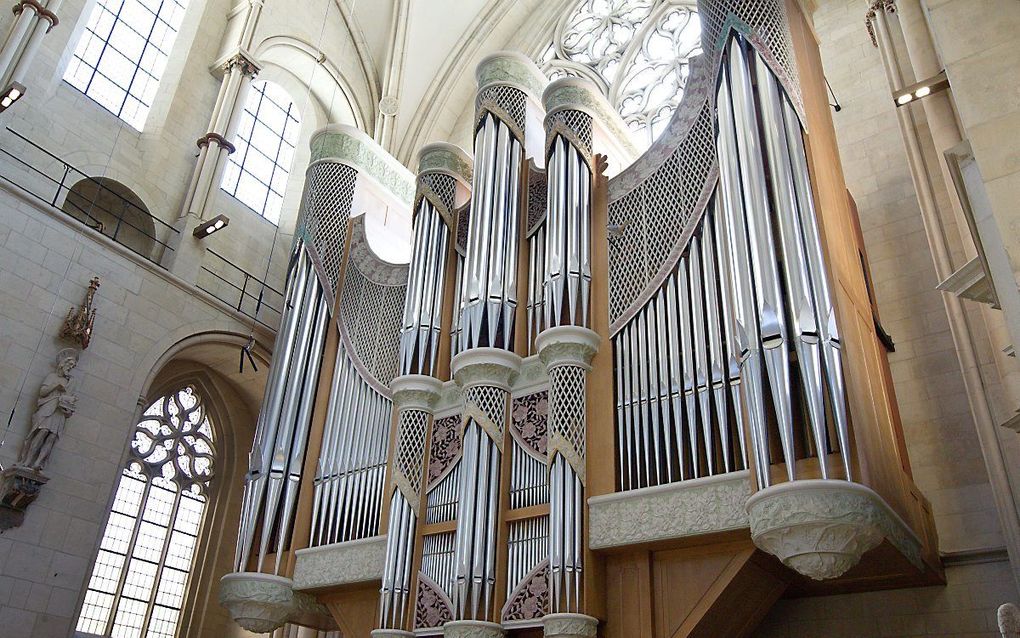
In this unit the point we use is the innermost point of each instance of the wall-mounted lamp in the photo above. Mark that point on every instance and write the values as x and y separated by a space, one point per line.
210 226
11 95
922 89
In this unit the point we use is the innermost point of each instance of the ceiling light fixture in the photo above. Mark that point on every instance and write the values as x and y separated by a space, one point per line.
922 89
11 95
210 226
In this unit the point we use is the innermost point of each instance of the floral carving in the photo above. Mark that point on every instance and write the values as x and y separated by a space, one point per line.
445 448
674 511
529 420
432 608
531 597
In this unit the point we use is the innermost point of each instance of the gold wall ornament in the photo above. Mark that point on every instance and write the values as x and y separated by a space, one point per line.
80 321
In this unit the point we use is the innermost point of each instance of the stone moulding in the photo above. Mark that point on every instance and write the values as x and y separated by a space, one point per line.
262 603
348 145
472 629
349 563
446 158
511 68
569 626
821 528
664 512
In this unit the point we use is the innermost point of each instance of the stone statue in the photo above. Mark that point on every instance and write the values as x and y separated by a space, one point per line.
53 407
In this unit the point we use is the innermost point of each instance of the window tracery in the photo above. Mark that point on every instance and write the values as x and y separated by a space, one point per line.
122 53
637 51
141 572
256 173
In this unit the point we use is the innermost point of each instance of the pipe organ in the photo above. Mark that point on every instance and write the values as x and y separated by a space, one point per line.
582 384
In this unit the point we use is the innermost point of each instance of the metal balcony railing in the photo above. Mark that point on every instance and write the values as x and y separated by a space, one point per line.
93 201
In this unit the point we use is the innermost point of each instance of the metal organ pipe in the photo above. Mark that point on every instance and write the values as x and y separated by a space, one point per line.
804 326
419 346
828 330
768 292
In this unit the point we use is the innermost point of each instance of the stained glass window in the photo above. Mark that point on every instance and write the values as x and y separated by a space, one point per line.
141 572
257 172
637 51
121 56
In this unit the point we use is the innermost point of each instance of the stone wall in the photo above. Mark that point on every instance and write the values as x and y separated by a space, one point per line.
46 262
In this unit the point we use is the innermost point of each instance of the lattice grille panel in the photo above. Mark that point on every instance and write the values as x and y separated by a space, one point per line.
661 208
578 122
442 186
503 100
372 314
767 19
567 407
326 209
491 401
410 451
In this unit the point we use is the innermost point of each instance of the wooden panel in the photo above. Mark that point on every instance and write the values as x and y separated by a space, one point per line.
628 596
353 610
687 581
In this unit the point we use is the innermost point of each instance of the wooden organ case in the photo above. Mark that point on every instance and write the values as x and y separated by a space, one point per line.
642 405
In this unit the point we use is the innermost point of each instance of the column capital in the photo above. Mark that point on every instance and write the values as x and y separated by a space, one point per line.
486 366
567 345
42 11
416 392
242 60
218 139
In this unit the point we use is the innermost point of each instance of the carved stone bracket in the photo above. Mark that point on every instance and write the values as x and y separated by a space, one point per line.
416 392
567 346
261 603
1008 617
19 486
821 528
486 366
472 629
570 626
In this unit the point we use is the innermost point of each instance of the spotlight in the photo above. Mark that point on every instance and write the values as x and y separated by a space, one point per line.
210 226
922 89
11 95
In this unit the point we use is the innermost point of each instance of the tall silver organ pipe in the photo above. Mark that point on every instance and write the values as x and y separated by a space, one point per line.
488 298
426 284
415 392
771 307
348 484
767 202
566 345
567 251
275 466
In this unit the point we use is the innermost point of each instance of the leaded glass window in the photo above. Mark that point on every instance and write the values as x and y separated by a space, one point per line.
257 172
121 56
637 51
141 572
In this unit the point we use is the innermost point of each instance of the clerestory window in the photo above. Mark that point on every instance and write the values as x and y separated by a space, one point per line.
141 572
257 171
121 56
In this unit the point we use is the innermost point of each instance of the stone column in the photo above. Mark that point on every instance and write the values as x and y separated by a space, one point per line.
214 147
34 21
414 398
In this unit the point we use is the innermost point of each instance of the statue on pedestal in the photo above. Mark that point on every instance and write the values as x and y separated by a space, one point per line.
53 407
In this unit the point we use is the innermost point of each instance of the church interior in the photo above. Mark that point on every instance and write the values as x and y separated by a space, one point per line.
509 318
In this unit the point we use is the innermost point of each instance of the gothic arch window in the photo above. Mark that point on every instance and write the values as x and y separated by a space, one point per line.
141 572
121 56
637 51
257 172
